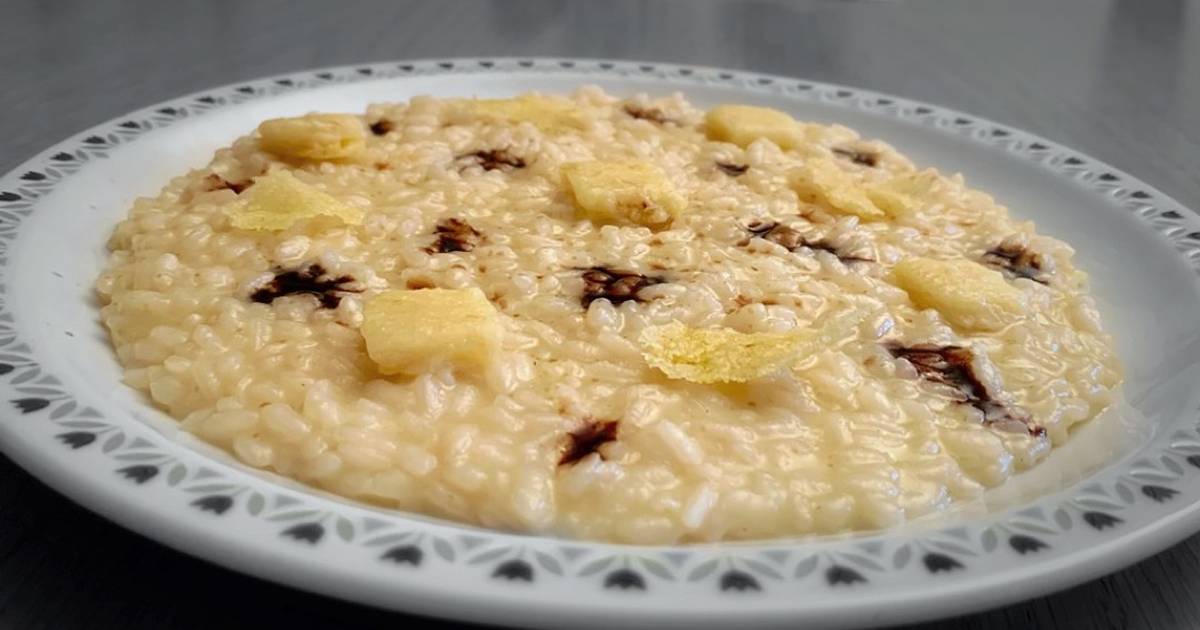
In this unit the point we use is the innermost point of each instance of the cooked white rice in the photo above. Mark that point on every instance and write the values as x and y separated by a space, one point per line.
852 438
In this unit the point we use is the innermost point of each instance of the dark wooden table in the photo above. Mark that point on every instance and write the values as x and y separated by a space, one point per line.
1118 79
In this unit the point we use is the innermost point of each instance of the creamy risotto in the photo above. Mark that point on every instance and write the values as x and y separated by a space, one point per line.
618 319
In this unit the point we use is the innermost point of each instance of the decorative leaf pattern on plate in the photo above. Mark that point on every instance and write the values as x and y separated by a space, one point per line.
1159 494
1032 527
443 549
514 571
255 504
30 405
489 555
26 376
951 547
805 567
734 580
624 579
1171 466
212 487
139 474
1124 492
761 568
989 540
176 474
940 562
657 568
216 503
703 570
389 539
862 561
1101 520
841 574
1062 519
62 410
596 566
1023 544
405 554
77 439
84 424
344 529
547 562
1097 503
311 533
293 515
138 457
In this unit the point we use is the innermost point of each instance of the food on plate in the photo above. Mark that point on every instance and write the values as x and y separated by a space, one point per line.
964 292
744 124
415 331
279 200
313 137
623 319
626 191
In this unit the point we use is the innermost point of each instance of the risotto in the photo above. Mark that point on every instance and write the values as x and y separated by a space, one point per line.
617 319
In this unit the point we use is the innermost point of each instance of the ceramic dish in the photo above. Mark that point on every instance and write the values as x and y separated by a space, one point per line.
1122 489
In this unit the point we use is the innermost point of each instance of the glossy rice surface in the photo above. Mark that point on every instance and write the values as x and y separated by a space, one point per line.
567 430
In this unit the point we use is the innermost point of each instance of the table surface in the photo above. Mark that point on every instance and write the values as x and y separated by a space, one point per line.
1118 79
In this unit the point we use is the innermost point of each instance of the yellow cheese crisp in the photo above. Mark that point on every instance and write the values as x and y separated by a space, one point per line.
902 195
743 124
724 355
967 294
313 137
822 182
547 114
626 191
278 200
410 331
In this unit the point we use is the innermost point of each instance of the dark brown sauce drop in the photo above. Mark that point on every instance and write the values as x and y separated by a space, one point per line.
652 114
494 159
454 235
216 182
587 440
416 284
865 158
382 127
732 170
1017 261
311 280
842 256
952 366
791 240
615 285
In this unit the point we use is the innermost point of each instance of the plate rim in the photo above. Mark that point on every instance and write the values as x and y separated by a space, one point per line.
110 500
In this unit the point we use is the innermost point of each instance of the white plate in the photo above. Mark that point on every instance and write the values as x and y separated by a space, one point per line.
68 419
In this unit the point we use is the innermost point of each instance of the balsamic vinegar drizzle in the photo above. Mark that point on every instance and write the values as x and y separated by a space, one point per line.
791 240
952 366
587 440
614 285
311 280
454 235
